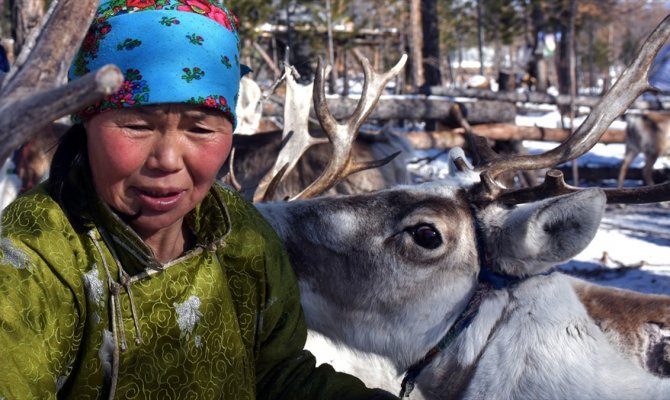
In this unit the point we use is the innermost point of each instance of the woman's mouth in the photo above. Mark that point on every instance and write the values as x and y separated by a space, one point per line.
159 201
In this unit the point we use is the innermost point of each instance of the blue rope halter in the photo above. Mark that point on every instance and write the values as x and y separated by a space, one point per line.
487 281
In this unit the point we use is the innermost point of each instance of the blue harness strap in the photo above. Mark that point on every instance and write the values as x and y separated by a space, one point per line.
487 281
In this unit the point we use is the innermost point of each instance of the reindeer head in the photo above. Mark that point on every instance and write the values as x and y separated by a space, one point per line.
373 268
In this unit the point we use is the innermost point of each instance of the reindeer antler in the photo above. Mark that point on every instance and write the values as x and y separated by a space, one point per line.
31 95
554 185
296 137
343 135
632 82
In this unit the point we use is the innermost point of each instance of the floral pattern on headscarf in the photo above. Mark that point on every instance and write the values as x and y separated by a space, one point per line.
134 90
168 52
203 7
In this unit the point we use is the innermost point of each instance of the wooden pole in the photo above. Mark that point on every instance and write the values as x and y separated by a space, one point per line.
332 82
416 44
26 16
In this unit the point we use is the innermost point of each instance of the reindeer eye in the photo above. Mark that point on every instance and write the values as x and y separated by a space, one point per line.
426 236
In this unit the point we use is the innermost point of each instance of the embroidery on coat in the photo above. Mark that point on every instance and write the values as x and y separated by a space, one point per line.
188 315
12 255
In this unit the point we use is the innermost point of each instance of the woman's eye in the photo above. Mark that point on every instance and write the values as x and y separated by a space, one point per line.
137 127
426 236
200 130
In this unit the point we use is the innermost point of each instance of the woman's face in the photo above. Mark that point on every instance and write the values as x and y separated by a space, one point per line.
154 164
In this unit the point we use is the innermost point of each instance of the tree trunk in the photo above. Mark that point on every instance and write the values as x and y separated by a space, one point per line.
565 55
2 17
345 72
572 58
431 43
573 79
26 15
332 81
480 37
537 67
591 49
416 44
431 50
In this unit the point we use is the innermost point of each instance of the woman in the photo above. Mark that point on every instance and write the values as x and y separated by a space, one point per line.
130 274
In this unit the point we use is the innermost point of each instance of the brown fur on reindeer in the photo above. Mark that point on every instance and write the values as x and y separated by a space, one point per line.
647 133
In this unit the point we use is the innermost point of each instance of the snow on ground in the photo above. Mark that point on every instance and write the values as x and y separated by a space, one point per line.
632 247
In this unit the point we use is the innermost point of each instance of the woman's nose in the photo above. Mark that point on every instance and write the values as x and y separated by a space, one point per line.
166 153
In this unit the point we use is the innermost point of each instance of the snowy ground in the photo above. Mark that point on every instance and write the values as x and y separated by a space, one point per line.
632 247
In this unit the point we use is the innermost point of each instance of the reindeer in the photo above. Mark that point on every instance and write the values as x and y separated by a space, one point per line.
453 281
647 133
393 271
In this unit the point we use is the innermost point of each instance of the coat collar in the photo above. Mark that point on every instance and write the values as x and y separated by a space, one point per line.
209 221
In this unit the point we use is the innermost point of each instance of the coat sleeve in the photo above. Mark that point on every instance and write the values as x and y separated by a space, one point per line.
38 317
284 370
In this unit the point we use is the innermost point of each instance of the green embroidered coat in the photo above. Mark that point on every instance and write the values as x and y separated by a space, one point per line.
86 312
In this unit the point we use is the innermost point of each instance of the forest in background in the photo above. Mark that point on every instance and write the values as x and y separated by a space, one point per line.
568 44
544 41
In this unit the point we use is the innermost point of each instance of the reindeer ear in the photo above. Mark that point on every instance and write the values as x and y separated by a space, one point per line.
539 235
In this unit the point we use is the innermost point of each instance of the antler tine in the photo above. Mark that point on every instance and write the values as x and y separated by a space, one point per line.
296 137
31 95
231 178
554 185
342 136
625 90
373 86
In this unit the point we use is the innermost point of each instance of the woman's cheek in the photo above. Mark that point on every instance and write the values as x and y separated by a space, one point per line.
210 157
126 155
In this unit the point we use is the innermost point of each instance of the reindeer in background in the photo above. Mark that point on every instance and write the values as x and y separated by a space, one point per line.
393 272
647 133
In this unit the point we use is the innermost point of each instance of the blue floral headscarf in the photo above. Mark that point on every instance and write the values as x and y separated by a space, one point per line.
170 51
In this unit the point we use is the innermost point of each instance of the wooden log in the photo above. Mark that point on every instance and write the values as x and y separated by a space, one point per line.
532 97
454 137
516 132
31 95
414 108
514 97
422 140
